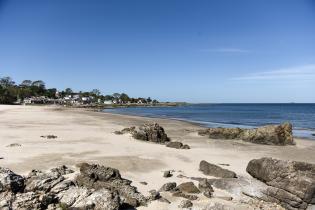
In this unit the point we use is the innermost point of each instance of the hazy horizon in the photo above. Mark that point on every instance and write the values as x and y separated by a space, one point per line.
194 51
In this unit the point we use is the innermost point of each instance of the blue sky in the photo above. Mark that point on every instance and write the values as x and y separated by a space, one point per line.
172 50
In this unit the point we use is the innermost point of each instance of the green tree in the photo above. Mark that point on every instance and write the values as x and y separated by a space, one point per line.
26 83
6 82
68 91
96 92
124 97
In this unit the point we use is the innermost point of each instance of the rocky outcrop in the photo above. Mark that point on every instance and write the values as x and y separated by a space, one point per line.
214 170
291 183
9 181
270 134
96 187
177 145
101 177
151 132
170 186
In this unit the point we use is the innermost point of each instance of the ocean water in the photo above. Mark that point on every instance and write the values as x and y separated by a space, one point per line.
302 116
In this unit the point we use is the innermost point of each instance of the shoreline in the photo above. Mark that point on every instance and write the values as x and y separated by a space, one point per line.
88 136
203 125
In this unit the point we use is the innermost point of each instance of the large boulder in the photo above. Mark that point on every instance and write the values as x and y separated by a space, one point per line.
291 183
9 181
101 177
214 170
188 187
270 134
151 132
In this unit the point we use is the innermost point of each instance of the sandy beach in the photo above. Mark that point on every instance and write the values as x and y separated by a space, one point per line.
86 136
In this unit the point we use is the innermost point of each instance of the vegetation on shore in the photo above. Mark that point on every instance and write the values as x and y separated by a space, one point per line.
11 93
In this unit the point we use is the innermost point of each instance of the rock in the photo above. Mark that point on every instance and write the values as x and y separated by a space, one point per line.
185 204
167 174
151 132
62 170
99 177
83 198
144 183
168 186
9 181
40 181
183 195
214 170
14 145
292 183
313 134
205 187
49 137
188 187
177 145
125 130
154 195
164 200
270 134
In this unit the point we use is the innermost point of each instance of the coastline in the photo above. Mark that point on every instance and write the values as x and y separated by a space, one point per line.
88 136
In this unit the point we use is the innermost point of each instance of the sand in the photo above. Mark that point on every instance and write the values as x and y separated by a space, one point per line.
86 136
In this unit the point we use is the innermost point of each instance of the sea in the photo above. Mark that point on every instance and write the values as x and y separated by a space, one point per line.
243 115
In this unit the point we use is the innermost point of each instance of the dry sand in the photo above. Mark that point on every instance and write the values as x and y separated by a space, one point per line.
85 136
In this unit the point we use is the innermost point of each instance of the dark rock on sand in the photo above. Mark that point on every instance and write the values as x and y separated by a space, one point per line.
188 187
292 183
144 183
154 195
11 182
168 186
214 170
270 134
49 137
125 130
177 145
14 145
151 132
167 174
185 204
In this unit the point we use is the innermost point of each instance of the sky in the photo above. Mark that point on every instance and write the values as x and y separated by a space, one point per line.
212 51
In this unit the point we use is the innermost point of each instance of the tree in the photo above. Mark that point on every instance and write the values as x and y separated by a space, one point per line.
116 95
68 91
6 82
51 93
149 100
124 97
96 92
26 83
108 98
39 83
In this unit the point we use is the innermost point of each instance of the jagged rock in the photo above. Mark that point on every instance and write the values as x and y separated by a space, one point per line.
168 186
99 177
167 174
9 181
183 195
185 204
188 187
270 134
177 145
292 183
144 183
62 170
125 130
83 198
151 132
40 181
214 170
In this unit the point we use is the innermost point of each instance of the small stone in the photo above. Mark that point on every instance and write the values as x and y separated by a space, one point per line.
154 195
167 174
164 200
144 183
14 145
185 204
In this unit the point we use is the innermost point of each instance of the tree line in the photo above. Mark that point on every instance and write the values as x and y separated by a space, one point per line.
10 92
